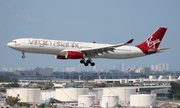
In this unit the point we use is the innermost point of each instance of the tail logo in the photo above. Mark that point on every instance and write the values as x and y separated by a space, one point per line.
152 43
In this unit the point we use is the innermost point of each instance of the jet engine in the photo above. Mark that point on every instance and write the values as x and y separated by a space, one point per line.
71 55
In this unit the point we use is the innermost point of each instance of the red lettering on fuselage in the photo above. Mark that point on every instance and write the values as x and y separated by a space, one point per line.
63 44
41 43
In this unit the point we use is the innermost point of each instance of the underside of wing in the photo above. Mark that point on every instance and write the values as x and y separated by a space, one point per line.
97 51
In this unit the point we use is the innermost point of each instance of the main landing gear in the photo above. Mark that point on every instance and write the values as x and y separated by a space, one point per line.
23 55
87 62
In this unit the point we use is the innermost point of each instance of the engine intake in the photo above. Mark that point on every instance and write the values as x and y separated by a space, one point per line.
71 55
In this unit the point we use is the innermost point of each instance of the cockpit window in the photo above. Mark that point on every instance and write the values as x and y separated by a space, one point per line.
14 41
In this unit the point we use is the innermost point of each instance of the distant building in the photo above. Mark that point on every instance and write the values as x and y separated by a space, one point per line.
81 68
163 67
95 69
38 71
167 68
152 77
160 67
44 72
5 69
162 77
70 69
138 70
123 67
146 70
153 67
48 71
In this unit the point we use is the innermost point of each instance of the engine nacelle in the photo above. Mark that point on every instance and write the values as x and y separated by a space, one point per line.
60 57
71 55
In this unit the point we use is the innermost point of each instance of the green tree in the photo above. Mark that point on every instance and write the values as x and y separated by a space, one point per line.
8 78
117 84
14 84
118 105
100 85
14 79
2 90
174 91
47 106
12 100
23 104
48 85
41 106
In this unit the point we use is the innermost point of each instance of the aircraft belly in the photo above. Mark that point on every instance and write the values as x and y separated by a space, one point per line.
122 54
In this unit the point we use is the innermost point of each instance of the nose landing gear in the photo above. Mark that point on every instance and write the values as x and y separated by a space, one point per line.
23 55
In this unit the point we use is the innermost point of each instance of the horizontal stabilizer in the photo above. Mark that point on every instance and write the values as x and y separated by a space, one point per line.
162 49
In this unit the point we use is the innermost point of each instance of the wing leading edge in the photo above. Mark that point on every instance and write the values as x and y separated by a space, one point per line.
96 51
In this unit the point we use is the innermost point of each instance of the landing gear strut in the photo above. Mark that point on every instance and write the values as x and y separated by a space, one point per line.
23 55
87 62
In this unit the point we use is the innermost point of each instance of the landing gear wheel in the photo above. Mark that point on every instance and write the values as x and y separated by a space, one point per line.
23 56
88 61
86 64
92 64
82 61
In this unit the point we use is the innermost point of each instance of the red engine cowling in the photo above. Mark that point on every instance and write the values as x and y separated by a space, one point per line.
71 55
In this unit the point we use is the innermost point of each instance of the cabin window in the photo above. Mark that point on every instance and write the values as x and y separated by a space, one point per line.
14 41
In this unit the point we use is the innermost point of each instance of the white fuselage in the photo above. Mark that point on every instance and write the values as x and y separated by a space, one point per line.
56 47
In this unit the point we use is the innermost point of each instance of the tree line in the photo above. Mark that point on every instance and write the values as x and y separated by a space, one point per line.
174 91
8 78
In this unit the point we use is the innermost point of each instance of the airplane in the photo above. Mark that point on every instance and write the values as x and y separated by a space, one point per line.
86 51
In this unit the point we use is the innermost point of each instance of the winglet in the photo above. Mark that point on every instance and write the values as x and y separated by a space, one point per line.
130 41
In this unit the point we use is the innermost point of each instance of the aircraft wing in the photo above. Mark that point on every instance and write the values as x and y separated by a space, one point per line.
96 51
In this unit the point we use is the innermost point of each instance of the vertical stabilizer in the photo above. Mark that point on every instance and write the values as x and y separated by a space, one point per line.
153 41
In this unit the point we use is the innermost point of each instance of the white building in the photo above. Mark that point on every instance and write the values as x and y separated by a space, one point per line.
29 95
143 100
123 93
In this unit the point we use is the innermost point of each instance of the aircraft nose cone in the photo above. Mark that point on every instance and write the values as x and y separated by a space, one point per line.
9 44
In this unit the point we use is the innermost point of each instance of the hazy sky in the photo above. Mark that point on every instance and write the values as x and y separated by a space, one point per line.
103 21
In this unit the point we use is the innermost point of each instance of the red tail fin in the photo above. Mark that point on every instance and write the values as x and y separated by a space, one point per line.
153 41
